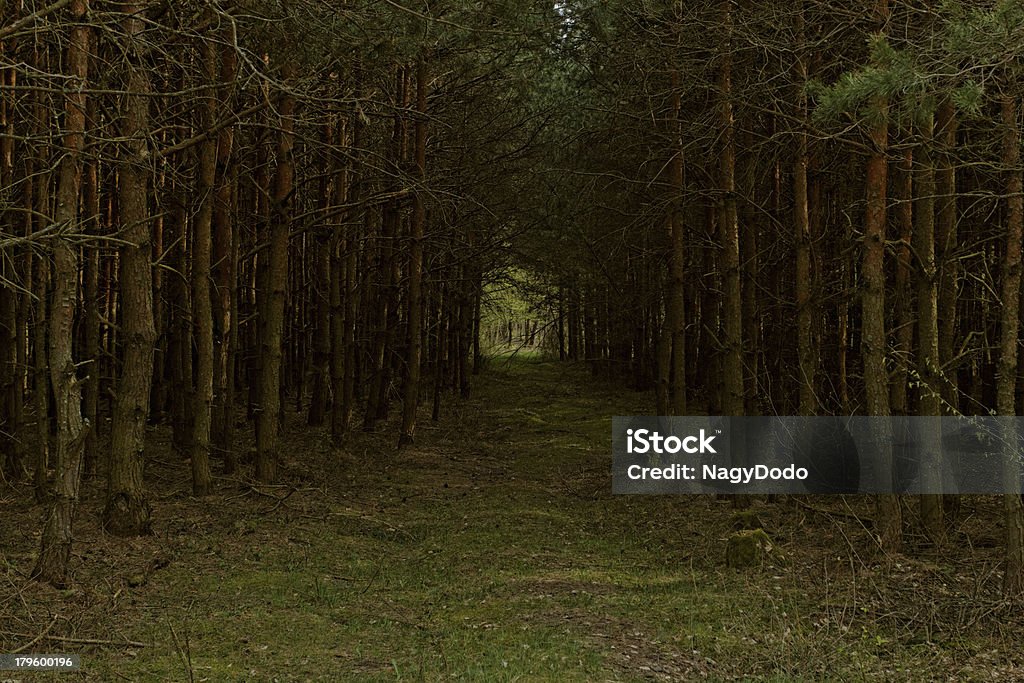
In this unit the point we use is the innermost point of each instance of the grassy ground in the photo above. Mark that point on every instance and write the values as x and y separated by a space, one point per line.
494 551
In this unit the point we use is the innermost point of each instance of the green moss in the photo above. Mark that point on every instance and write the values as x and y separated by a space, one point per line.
747 548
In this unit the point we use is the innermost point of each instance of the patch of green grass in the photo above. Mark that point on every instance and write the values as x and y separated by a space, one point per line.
508 560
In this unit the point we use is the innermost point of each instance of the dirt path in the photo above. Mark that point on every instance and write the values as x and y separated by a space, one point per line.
491 551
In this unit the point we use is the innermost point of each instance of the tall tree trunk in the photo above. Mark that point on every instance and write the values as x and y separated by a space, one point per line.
127 510
11 450
180 342
380 304
946 248
336 301
41 282
903 307
437 352
676 304
387 266
24 273
258 280
268 419
325 275
1013 509
929 398
202 305
348 394
90 294
416 237
947 271
873 335
843 333
338 291
806 353
159 392
729 234
40 371
733 396
55 546
750 182
224 267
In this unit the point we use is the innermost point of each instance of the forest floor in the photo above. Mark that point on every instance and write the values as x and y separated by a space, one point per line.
493 550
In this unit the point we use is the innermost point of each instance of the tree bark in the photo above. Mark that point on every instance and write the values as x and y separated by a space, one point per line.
40 312
805 314
224 267
180 323
946 248
873 334
676 305
55 546
729 235
417 233
268 419
903 305
386 299
348 394
127 511
338 294
11 449
202 305
325 276
1013 509
90 294
929 398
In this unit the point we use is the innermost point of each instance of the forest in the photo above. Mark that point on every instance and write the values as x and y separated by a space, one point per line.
314 316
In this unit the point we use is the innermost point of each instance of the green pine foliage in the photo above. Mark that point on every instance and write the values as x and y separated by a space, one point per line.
971 47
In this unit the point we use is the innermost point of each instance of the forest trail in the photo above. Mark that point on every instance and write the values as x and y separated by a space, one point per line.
492 550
